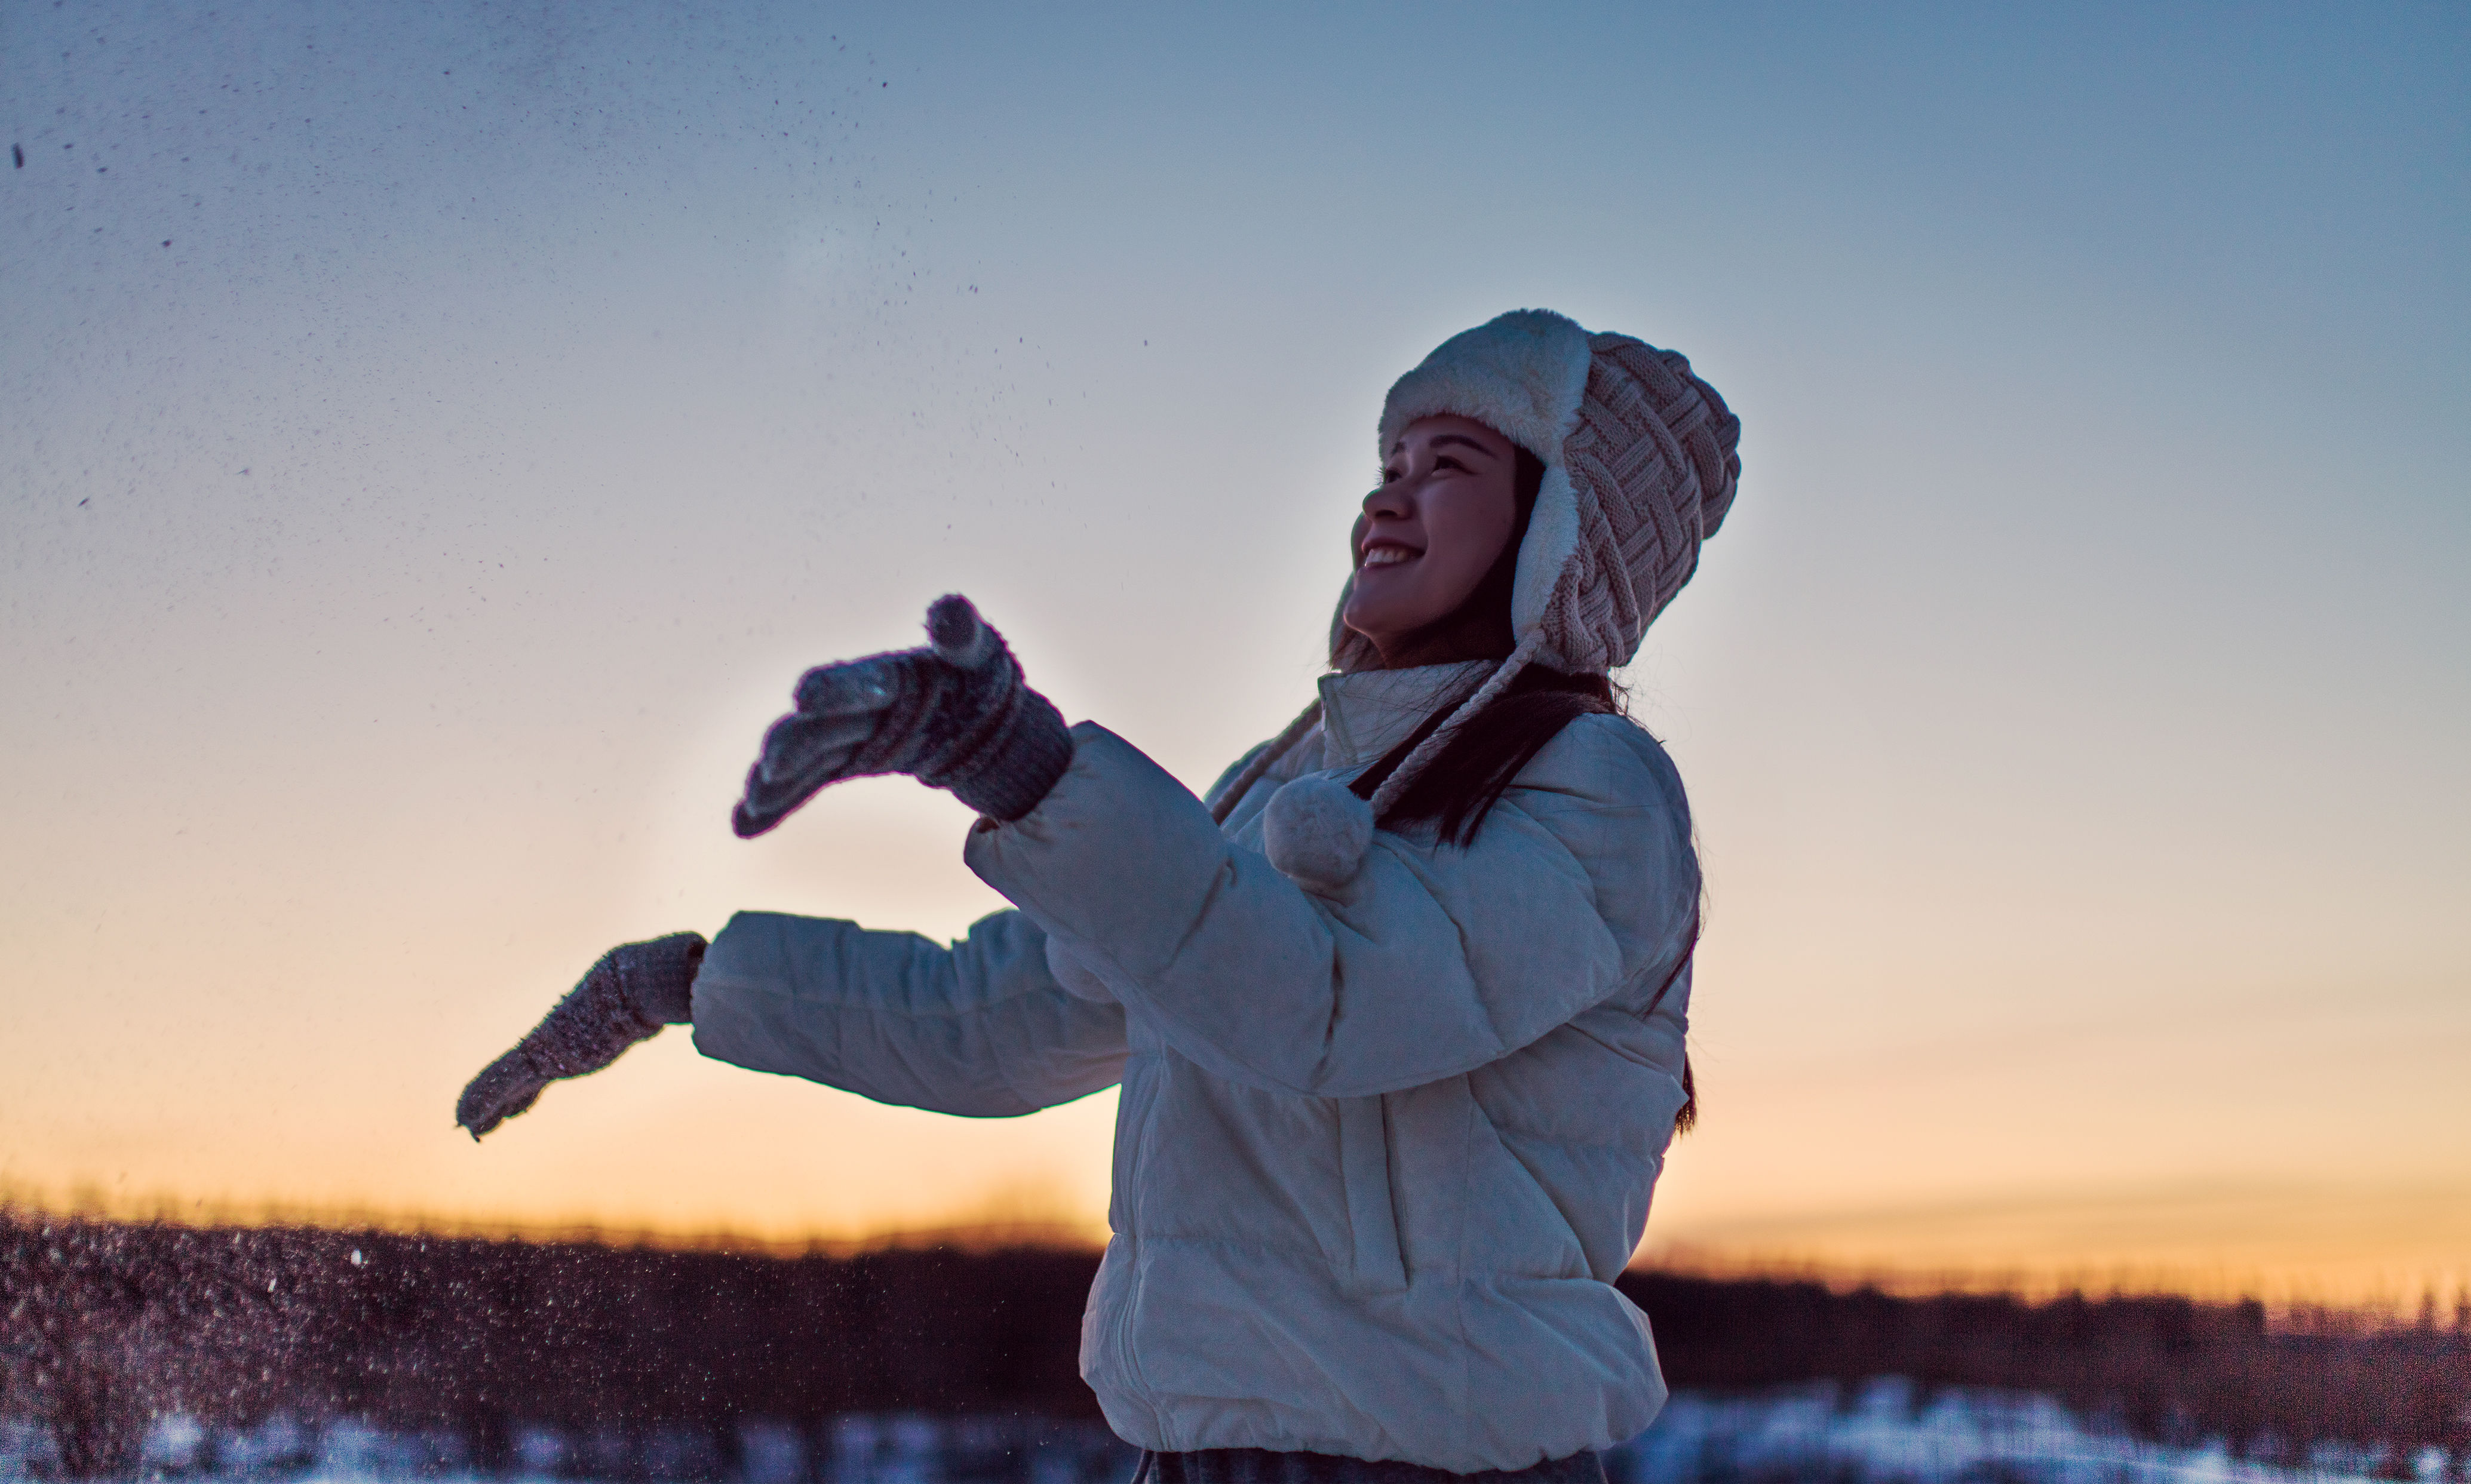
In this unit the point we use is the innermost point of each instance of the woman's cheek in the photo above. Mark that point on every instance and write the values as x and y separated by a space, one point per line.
1464 543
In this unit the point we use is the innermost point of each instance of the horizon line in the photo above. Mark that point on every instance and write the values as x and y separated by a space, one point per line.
2023 1282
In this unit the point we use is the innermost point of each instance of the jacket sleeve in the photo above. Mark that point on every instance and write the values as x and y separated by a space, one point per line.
1433 961
981 1029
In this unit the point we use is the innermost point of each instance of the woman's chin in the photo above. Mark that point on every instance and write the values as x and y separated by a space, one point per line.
1383 630
1365 623
1382 600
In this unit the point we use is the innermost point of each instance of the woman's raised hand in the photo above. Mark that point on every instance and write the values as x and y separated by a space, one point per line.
629 996
953 713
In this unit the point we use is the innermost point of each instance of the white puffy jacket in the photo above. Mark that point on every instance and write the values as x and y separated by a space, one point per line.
1381 1152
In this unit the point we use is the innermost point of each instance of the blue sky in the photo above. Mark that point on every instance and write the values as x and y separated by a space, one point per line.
401 563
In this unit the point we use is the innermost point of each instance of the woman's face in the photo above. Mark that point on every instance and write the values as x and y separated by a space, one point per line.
1446 506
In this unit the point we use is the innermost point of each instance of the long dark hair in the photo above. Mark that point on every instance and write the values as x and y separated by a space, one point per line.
1458 787
1462 783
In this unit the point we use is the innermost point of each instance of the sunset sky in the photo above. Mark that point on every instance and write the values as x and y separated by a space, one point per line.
432 439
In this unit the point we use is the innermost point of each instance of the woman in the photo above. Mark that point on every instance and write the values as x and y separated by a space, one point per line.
1398 1010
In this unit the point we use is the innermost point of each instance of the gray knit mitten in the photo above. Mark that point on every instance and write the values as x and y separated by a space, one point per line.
955 715
627 996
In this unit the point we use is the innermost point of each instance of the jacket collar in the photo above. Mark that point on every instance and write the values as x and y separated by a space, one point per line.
1366 714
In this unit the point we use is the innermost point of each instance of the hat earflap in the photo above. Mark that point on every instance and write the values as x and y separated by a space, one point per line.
1544 555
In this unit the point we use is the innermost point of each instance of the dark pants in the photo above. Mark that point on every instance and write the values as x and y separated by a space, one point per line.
1260 1466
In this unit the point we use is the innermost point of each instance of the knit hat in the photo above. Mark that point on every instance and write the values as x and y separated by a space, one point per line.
1639 467
1641 464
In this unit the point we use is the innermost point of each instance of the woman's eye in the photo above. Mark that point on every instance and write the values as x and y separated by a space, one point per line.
1449 463
1389 476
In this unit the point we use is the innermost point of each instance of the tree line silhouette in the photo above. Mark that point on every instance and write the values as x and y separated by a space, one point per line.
106 1326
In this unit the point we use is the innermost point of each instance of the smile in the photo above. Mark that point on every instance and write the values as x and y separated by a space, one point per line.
1387 555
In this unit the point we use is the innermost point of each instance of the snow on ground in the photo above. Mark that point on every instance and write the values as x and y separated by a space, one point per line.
1882 1433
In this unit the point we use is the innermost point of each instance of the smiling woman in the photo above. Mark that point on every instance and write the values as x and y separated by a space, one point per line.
1398 1010
1437 546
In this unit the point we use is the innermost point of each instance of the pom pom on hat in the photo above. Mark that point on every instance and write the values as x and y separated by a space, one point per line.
1315 830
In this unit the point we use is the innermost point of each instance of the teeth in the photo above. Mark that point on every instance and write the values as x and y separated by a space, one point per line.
1386 555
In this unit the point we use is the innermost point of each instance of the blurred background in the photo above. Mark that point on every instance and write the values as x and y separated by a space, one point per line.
435 437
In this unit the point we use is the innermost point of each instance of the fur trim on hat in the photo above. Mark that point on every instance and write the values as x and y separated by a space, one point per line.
1552 538
1519 374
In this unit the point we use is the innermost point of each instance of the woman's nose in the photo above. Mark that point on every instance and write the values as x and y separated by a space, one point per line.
1390 498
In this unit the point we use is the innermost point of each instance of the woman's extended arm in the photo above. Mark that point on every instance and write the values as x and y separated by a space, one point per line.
1428 964
981 1029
